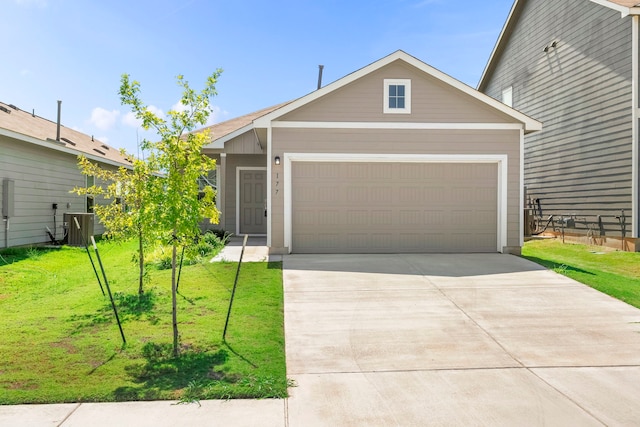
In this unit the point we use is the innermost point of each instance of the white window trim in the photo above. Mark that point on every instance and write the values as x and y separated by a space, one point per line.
507 96
407 96
501 161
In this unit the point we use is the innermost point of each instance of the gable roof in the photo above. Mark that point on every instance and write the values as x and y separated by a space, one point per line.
625 7
29 128
529 123
229 129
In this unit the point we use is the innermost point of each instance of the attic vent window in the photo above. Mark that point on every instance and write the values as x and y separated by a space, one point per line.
99 151
5 109
68 141
106 147
397 96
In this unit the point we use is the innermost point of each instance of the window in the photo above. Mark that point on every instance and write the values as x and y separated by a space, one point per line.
211 180
507 96
397 96
90 183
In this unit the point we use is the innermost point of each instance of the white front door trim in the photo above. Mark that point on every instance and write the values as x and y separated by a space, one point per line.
238 170
501 160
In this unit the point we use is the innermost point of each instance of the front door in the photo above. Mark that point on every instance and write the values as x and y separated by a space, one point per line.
253 201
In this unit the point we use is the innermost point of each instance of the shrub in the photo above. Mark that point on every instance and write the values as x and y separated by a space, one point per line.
207 245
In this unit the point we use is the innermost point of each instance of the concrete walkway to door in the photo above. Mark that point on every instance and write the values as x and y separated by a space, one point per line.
421 340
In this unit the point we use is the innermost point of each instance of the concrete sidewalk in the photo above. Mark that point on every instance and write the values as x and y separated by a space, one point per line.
422 340
232 413
255 251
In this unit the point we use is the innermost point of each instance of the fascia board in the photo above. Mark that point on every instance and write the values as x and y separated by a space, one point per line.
219 143
530 124
265 120
498 45
625 11
53 146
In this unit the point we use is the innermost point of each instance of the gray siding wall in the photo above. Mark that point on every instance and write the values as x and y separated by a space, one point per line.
42 177
580 163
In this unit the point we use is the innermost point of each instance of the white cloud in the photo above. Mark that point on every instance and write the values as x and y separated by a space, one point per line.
130 119
179 107
155 110
104 119
217 115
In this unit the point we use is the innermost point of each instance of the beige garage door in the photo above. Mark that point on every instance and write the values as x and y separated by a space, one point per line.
347 207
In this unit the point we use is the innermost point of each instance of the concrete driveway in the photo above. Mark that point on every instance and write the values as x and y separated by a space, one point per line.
386 340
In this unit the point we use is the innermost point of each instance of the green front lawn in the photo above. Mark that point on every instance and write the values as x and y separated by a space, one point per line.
61 342
613 272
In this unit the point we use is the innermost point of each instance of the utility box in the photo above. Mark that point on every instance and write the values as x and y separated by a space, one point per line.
80 237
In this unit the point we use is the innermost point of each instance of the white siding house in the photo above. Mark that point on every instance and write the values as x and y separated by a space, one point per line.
38 169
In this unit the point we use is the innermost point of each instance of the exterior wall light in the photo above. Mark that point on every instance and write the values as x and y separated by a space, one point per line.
277 160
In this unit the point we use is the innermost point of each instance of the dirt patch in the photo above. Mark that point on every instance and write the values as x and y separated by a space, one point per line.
66 345
23 385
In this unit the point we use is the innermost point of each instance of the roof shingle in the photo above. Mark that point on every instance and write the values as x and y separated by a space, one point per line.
14 119
220 130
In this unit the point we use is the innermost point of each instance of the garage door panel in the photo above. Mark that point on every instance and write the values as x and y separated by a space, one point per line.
412 217
425 208
329 218
358 218
382 196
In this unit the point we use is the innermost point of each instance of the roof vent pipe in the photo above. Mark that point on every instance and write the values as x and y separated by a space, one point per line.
320 68
58 127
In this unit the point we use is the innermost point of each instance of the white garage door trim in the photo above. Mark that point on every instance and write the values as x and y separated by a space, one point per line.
499 159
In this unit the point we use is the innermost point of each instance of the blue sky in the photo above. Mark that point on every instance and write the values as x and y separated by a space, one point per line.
76 50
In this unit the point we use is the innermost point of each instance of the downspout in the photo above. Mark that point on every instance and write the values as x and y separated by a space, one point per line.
635 156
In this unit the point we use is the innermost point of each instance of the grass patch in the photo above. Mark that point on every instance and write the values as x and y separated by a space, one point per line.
61 342
613 272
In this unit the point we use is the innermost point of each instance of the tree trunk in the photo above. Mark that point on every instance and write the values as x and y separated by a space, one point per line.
140 263
174 298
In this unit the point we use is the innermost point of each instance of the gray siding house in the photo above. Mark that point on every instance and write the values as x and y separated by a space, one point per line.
37 172
395 157
574 65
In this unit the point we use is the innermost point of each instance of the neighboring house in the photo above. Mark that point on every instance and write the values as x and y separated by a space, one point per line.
38 169
395 157
574 65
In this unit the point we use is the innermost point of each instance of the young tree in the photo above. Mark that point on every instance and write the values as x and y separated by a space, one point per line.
177 154
129 189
